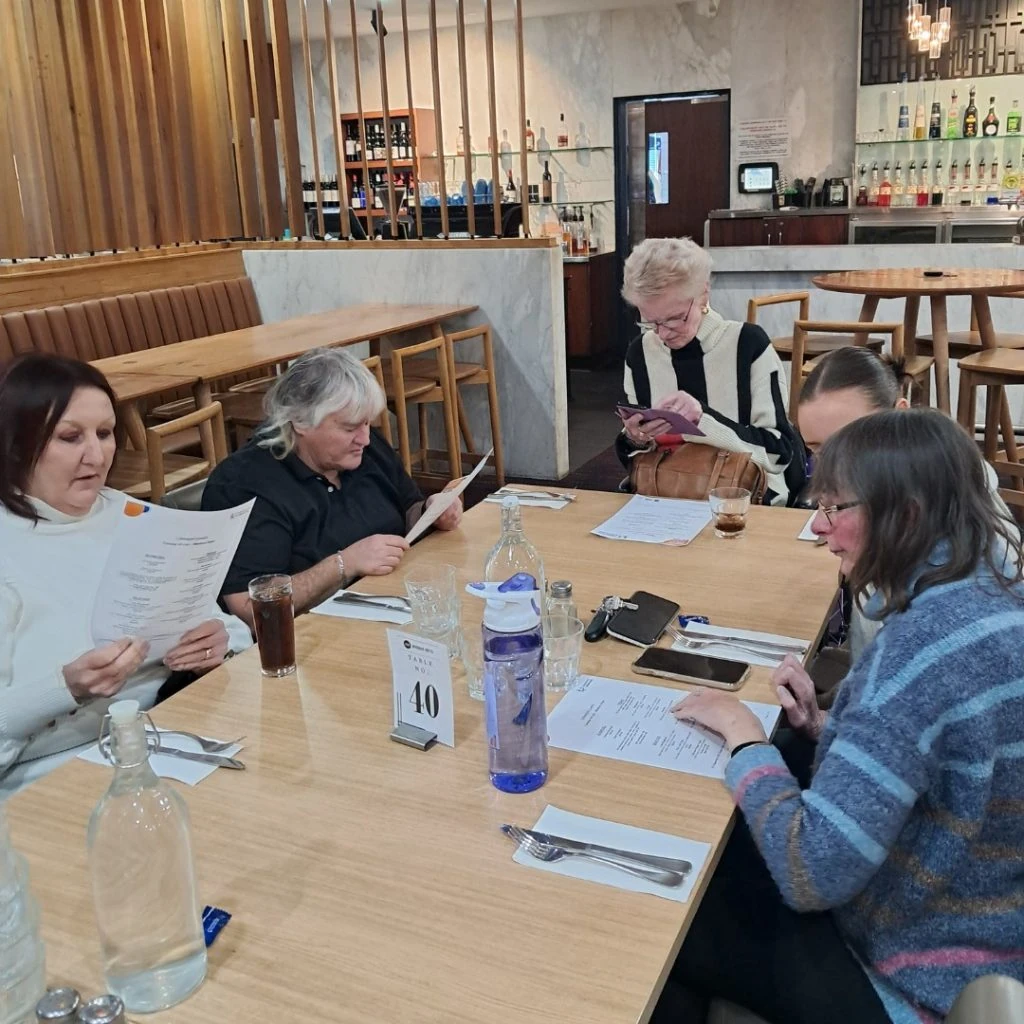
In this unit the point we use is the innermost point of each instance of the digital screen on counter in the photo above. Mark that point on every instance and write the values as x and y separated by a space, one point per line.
758 177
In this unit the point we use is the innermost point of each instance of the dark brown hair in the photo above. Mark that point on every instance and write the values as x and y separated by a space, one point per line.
34 392
922 484
882 379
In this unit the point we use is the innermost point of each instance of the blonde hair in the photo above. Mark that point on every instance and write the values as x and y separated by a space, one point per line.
657 265
317 384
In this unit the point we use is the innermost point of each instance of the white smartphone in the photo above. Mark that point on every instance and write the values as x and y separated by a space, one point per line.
688 667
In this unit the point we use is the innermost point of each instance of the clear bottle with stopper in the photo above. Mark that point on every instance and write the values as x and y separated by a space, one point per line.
513 652
143 874
513 552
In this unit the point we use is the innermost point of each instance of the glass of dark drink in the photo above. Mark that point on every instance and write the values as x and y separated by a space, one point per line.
274 616
729 506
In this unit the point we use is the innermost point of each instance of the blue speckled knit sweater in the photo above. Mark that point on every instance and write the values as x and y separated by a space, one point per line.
912 831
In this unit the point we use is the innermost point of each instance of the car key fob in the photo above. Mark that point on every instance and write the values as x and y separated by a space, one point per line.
598 625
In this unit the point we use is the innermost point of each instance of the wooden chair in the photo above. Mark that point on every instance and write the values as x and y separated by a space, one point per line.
464 375
994 369
814 344
918 367
404 389
965 343
243 409
150 474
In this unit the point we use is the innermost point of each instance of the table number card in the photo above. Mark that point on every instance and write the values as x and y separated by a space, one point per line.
422 685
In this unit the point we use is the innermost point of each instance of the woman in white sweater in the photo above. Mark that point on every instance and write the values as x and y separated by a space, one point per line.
57 522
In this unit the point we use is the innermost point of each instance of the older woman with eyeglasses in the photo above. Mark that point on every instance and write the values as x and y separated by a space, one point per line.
721 374
878 891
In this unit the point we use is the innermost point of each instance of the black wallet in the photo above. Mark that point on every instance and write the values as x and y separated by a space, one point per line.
644 625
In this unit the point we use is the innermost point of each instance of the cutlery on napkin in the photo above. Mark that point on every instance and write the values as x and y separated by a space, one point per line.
190 770
766 649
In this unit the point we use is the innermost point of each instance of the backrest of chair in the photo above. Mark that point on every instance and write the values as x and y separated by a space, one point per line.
376 367
758 301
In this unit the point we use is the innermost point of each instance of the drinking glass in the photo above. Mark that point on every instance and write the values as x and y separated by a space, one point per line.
473 661
274 616
729 506
435 605
563 642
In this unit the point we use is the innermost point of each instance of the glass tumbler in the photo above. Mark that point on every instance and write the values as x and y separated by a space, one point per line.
274 617
563 643
435 605
729 506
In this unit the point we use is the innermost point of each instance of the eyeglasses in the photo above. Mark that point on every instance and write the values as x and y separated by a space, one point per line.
673 323
828 511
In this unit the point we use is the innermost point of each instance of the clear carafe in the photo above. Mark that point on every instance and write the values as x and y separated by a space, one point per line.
513 553
143 875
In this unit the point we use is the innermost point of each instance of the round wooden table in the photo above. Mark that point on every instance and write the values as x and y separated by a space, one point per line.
912 285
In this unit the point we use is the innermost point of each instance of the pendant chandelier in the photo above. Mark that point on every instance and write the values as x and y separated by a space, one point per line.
930 34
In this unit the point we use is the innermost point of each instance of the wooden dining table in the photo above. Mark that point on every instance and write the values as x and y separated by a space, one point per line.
130 388
369 881
913 285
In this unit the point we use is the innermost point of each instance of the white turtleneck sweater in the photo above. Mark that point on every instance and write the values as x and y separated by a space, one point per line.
49 576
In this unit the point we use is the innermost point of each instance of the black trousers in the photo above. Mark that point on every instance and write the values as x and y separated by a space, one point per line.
746 946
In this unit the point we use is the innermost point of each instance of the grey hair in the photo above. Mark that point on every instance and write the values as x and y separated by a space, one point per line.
658 264
317 384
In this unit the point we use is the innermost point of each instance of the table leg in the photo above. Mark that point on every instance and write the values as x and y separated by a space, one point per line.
910 314
202 393
993 409
134 427
940 349
867 313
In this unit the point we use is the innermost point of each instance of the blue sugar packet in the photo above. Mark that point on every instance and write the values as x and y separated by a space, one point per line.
213 920
701 620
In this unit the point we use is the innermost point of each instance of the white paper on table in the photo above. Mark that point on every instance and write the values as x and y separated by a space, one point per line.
167 767
164 572
807 533
672 521
355 610
633 722
443 501
728 652
622 837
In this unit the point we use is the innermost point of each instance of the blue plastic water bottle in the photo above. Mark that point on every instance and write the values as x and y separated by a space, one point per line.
513 646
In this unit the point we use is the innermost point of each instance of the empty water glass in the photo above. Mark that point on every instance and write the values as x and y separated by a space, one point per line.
473 661
435 605
563 642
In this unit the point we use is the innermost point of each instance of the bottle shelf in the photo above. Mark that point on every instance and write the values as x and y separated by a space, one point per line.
940 142
544 154
376 165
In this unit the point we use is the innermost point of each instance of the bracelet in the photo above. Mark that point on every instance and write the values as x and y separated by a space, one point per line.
341 567
749 743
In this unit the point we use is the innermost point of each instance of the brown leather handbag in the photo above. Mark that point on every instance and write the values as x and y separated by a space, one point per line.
693 470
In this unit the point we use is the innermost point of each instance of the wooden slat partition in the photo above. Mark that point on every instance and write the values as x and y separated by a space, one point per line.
263 113
389 149
339 146
362 119
307 58
186 165
492 112
467 138
408 88
438 121
286 117
524 163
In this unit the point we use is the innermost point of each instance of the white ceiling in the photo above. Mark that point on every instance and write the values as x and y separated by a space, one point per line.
503 11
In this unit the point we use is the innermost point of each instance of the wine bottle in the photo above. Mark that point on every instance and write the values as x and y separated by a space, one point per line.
531 139
971 118
510 189
563 133
545 185
990 126
1013 119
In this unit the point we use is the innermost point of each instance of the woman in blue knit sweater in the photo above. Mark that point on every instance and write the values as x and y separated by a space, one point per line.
897 877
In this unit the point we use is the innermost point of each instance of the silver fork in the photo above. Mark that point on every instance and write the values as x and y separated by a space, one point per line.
548 853
754 646
209 746
504 492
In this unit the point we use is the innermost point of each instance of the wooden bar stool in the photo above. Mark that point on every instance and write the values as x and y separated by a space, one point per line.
404 389
150 474
995 369
814 344
965 343
464 375
917 367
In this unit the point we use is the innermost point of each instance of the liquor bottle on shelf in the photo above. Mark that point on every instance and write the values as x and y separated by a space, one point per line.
971 118
350 146
460 144
993 182
990 126
874 192
354 200
937 194
885 189
935 121
566 232
396 147
979 184
966 184
511 195
1011 180
545 184
922 185
404 140
903 124
1013 119
953 119
862 188
951 192
563 133
898 196
920 124
531 139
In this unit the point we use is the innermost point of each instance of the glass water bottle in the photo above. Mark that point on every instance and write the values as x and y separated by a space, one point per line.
143 876
513 553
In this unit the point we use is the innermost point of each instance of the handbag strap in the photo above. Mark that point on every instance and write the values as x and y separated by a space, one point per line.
716 470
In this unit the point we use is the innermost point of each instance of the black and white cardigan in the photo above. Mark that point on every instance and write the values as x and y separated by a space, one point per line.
736 375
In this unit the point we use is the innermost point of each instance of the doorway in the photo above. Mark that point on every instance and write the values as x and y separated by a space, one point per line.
672 166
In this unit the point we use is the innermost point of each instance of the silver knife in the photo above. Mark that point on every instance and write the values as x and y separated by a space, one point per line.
744 641
665 863
397 604
219 760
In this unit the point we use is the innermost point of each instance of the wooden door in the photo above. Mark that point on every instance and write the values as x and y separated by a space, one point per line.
696 133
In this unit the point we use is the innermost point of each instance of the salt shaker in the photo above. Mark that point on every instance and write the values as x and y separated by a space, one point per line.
58 1006
560 602
106 1009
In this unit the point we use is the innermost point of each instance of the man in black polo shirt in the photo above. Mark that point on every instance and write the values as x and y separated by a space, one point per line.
333 501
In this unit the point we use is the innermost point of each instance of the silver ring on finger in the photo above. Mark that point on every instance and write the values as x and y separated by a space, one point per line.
209 654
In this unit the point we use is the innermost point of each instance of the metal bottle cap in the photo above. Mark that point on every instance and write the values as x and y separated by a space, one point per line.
561 588
58 1006
106 1009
